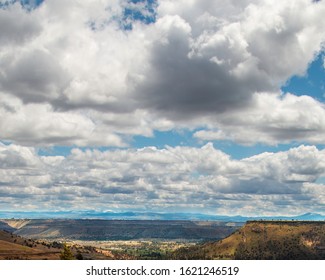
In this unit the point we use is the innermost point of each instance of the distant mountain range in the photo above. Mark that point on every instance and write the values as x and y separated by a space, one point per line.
149 216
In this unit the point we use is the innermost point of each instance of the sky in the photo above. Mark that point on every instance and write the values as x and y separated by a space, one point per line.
201 106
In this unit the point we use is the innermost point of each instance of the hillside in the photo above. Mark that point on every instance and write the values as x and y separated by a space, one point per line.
94 229
263 240
14 247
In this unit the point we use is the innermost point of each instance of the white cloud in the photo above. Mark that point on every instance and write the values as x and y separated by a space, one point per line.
316 192
272 119
40 125
201 63
172 178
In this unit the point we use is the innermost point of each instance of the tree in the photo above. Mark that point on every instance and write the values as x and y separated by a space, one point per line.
79 256
66 254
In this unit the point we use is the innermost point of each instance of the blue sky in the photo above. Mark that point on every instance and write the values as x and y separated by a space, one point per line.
311 83
167 106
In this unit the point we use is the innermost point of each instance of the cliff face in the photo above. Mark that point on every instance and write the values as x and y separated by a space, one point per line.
264 240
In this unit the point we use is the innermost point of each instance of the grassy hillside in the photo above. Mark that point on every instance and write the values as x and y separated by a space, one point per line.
14 247
264 240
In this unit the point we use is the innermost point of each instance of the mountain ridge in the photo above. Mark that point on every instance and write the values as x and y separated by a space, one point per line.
130 215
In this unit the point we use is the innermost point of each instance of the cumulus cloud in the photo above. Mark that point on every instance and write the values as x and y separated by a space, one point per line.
202 69
175 178
97 73
167 64
271 119
40 125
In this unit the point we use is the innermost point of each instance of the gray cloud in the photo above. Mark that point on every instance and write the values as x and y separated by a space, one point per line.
34 77
117 190
184 88
198 70
17 26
